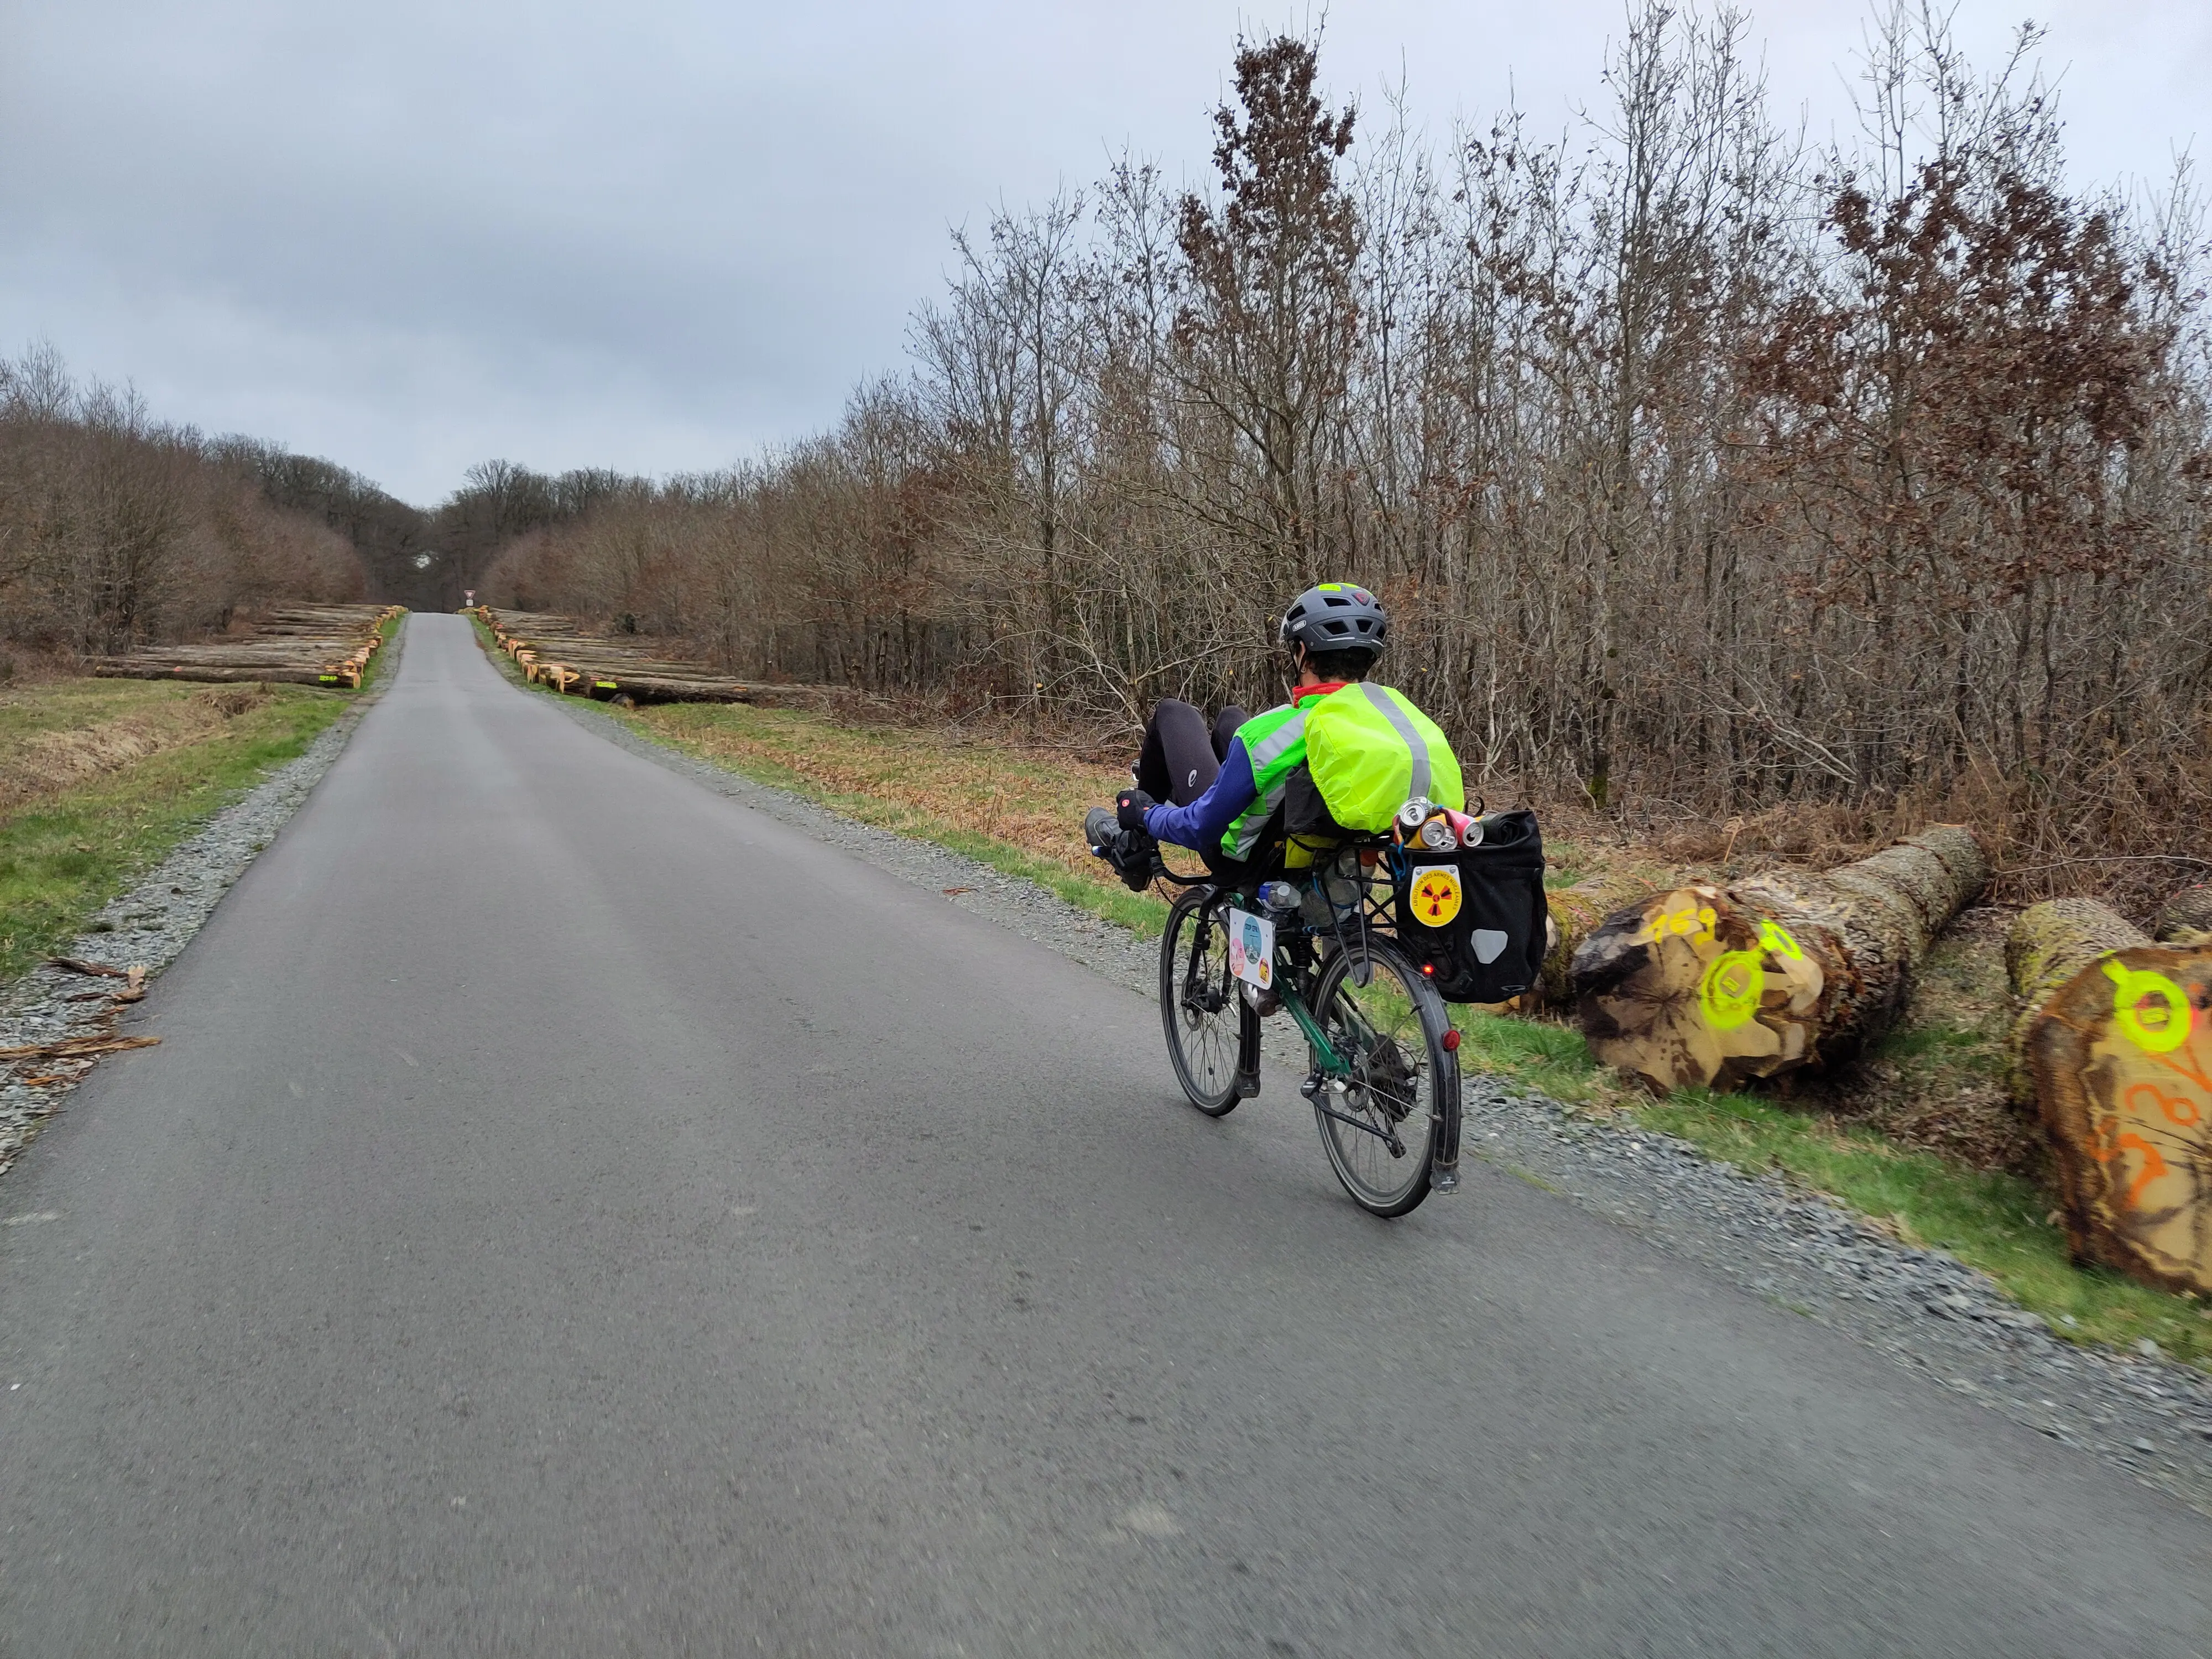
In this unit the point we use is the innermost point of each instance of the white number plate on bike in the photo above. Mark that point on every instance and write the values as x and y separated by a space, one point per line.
1251 948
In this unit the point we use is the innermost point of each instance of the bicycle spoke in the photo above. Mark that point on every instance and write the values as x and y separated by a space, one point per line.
1198 1003
1378 1123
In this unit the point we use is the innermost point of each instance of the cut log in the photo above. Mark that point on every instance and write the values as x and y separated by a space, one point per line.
552 651
2049 946
1575 913
2186 918
1709 985
319 645
2117 1056
201 674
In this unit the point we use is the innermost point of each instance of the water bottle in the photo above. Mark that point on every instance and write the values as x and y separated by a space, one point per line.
1279 896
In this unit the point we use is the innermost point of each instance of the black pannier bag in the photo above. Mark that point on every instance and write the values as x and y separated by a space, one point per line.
1488 945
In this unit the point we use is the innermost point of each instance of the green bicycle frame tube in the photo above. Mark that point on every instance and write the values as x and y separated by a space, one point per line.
1332 1063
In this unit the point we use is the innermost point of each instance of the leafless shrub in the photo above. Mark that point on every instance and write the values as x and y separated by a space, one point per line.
116 529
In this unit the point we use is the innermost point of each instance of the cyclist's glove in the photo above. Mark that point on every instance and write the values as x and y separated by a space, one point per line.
1130 807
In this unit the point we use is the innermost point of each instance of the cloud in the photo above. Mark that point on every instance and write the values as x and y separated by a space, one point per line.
411 236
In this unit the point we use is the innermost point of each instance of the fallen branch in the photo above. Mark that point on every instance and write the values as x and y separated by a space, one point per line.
77 1048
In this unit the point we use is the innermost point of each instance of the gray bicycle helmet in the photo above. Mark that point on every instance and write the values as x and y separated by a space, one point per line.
1336 616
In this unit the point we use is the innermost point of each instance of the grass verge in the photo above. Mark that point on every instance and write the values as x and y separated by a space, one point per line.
388 631
65 852
1017 810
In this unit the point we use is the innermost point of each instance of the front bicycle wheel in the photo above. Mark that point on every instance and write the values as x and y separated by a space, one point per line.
1204 1015
1391 1128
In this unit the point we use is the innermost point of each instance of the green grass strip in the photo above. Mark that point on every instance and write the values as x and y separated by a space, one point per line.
64 856
388 632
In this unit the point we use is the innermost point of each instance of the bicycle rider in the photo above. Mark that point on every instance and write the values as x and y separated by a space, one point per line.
1217 790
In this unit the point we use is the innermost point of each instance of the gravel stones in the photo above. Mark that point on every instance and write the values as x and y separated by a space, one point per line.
1796 1251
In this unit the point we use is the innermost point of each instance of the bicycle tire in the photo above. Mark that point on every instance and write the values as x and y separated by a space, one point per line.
1211 1031
1387 1089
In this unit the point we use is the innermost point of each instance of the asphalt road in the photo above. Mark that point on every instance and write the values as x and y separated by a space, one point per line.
573 1214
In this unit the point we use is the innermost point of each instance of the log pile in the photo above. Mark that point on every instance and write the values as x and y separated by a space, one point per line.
556 652
297 645
2113 1045
1714 986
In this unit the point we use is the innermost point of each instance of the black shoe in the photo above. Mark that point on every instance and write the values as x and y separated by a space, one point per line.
1134 855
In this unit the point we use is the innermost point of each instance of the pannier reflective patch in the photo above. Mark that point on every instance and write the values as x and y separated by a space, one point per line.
1489 945
1436 894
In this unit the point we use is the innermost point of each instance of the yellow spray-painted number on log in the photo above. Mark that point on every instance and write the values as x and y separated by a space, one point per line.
1692 924
2132 988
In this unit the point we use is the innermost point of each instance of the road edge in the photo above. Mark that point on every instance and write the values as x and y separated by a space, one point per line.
151 923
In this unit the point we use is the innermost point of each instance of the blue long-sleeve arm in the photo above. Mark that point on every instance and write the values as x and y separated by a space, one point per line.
1202 825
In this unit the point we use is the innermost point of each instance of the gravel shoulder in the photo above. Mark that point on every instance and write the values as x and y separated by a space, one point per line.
1926 1311
149 926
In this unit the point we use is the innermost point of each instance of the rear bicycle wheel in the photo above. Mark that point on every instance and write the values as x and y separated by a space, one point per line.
1391 1129
1204 1013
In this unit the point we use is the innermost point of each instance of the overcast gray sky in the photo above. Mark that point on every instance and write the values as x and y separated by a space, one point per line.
415 234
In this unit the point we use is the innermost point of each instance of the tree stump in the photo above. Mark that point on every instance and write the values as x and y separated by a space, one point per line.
2120 1056
1706 985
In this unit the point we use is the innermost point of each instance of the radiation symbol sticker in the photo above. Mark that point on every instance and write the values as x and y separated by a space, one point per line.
1436 894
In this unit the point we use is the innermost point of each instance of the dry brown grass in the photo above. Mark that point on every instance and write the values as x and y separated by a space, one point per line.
60 734
1000 785
1937 1079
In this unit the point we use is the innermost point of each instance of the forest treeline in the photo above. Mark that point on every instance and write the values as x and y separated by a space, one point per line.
117 529
1704 472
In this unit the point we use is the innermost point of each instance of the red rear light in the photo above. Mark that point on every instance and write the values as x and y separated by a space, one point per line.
1451 1043
1430 968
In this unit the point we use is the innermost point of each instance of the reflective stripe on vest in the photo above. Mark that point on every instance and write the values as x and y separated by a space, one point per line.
1388 706
1277 754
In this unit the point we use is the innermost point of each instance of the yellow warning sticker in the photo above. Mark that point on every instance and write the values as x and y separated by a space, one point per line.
1436 894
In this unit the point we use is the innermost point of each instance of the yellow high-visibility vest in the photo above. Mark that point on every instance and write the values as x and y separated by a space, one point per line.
1371 751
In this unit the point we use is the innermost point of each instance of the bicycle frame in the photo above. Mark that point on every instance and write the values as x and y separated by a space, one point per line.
1332 1063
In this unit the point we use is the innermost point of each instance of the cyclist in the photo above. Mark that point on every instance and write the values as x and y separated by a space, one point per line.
1223 788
